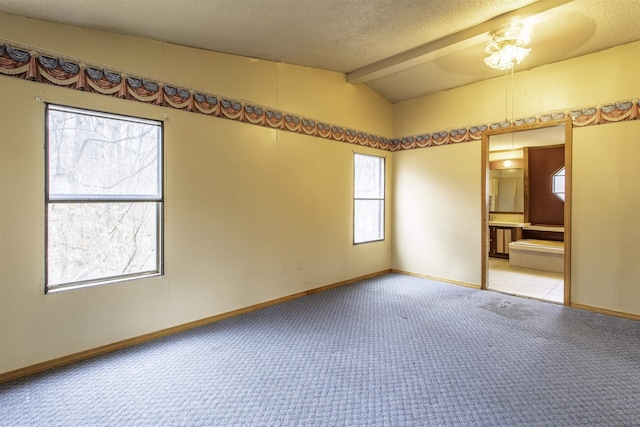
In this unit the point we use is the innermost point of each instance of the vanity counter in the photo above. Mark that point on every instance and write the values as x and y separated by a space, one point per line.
508 224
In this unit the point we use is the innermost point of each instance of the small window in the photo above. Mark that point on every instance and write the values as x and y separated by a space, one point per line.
557 183
368 195
104 198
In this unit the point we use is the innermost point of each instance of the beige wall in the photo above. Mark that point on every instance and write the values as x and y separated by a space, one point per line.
436 214
606 217
595 79
437 190
241 200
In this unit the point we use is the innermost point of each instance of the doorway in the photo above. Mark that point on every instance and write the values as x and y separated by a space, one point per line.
523 253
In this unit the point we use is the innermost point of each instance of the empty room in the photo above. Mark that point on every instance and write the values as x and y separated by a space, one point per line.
320 213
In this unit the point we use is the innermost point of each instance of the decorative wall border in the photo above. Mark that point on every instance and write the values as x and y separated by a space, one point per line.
30 64
603 114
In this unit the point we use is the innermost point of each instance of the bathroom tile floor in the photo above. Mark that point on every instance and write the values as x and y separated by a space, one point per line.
526 282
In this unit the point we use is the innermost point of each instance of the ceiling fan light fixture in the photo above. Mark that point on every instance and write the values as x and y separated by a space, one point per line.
507 47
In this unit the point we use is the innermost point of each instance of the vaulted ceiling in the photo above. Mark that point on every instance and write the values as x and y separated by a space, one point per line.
402 49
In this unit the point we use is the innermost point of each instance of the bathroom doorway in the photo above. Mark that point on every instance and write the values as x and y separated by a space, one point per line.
526 249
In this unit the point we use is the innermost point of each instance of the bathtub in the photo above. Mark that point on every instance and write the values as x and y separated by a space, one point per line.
545 255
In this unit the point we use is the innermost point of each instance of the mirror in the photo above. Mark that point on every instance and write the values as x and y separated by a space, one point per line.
508 190
506 181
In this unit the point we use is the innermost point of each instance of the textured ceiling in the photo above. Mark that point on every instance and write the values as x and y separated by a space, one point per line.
349 36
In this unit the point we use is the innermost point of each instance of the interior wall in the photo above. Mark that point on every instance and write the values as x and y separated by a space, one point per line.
605 249
436 195
251 213
562 86
246 205
606 210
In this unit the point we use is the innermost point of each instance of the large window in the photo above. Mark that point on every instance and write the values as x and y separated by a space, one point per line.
368 198
104 198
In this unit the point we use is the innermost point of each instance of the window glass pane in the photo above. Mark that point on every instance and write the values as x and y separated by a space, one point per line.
368 177
97 157
89 241
558 183
368 220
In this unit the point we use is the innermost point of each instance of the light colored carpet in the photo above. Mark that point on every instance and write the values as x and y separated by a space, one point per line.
390 351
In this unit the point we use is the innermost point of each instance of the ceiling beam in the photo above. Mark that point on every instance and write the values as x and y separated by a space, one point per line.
448 44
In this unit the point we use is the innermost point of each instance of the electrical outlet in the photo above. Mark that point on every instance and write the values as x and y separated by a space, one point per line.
300 264
283 268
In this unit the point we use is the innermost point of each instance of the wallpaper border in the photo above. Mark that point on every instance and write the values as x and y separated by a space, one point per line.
29 63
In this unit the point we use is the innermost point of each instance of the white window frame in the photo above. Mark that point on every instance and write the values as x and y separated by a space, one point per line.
380 198
156 201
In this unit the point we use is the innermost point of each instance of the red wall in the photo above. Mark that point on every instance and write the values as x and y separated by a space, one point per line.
544 206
